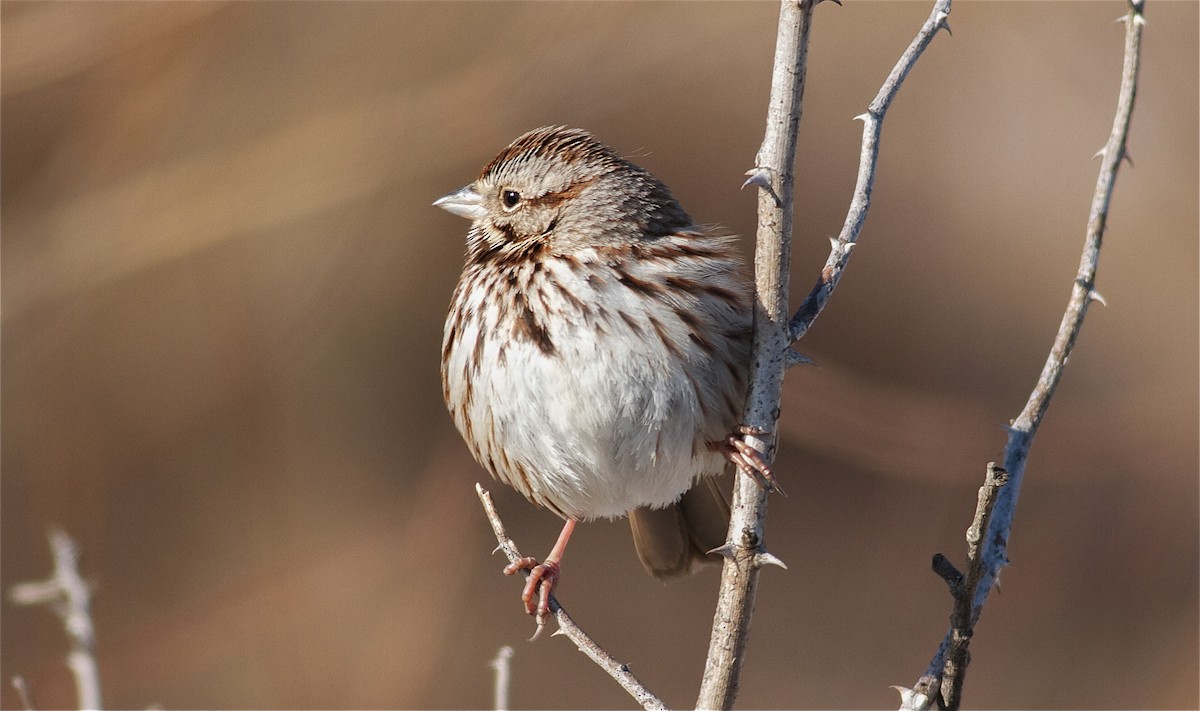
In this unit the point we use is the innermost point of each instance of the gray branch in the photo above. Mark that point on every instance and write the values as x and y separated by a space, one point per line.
1021 432
872 120
745 552
566 626
68 594
773 173
502 665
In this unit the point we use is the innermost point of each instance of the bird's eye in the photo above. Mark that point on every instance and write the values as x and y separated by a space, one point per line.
510 198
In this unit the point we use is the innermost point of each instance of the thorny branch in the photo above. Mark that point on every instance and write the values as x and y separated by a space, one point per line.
933 684
68 594
566 626
872 120
744 550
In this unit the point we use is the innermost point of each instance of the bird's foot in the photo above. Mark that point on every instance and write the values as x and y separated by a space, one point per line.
539 586
748 459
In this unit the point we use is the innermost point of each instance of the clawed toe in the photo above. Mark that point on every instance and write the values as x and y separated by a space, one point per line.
539 586
749 460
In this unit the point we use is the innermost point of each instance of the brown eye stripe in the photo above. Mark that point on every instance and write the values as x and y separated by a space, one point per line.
555 198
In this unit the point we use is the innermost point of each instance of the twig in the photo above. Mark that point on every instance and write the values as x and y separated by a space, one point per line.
1023 429
566 626
22 688
839 254
744 550
502 665
68 594
963 588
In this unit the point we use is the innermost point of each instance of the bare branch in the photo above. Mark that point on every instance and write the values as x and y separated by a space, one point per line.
872 120
502 665
68 594
22 688
566 626
962 624
1020 438
773 175
744 551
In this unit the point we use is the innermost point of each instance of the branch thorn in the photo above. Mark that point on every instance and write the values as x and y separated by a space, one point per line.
862 117
761 177
910 699
725 551
1094 295
765 558
792 358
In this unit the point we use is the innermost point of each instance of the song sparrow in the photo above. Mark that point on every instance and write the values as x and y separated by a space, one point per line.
596 349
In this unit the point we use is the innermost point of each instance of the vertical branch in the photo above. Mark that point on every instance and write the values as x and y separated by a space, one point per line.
502 665
745 551
69 595
1023 429
773 172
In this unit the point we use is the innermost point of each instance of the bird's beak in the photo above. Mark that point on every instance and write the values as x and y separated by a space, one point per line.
464 202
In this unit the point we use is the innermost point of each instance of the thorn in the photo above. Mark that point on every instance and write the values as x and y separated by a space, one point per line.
1099 154
835 2
1094 295
862 117
761 177
497 549
943 23
758 176
764 558
1125 157
910 699
725 551
560 632
791 359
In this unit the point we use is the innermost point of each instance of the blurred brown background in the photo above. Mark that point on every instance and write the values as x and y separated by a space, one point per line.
223 293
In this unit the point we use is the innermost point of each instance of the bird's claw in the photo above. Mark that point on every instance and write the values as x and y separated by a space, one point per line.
749 460
539 586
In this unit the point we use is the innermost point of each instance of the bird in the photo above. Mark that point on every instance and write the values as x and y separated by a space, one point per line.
596 350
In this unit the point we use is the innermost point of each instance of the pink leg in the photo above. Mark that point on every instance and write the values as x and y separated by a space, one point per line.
543 577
